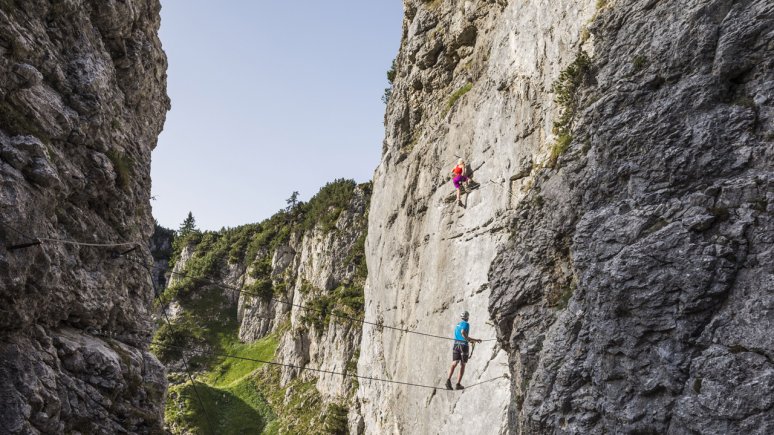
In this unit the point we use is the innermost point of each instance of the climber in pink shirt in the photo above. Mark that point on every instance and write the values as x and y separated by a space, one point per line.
459 177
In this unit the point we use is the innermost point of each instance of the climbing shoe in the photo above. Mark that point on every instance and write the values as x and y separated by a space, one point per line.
448 384
459 387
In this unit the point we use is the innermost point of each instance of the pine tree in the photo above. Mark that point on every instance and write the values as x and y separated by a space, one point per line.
292 202
188 226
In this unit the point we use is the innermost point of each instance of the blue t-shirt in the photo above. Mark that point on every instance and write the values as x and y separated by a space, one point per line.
462 326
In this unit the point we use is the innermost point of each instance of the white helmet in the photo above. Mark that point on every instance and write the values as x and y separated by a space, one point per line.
465 315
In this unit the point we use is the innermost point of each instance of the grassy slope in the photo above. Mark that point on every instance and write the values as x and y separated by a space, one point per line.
229 392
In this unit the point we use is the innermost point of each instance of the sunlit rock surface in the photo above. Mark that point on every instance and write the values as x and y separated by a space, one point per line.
429 258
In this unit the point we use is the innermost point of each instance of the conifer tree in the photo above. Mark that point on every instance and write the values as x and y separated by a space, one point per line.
188 226
292 202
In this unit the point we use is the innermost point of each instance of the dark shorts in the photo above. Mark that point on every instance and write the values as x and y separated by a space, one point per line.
458 180
460 352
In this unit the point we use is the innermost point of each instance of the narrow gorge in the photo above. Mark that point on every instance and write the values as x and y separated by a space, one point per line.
617 256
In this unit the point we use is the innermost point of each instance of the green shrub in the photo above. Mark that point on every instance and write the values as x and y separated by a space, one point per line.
172 338
639 63
350 301
298 405
324 208
345 302
457 95
567 89
239 238
335 420
351 366
261 268
279 289
357 257
122 164
261 288
269 235
559 147
180 242
160 236
306 287
387 94
318 314
391 73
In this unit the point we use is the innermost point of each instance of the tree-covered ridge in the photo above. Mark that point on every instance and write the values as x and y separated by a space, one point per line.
206 314
252 243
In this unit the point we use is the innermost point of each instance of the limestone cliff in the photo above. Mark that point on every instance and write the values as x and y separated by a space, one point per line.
473 81
656 229
82 100
161 249
321 268
619 246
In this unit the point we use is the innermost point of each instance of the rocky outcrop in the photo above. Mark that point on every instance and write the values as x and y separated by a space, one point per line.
619 245
82 100
635 296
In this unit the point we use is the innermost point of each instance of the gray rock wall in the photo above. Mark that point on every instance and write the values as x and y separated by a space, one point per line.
628 276
82 100
428 258
636 293
161 250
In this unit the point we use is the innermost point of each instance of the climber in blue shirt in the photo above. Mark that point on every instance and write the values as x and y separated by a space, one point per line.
460 350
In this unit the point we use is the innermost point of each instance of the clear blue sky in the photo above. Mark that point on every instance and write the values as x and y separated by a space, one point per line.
268 97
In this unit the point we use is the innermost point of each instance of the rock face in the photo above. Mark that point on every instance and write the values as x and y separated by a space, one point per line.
656 231
82 100
429 258
620 244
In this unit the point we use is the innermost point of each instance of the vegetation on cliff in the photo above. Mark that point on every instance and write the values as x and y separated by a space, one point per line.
567 96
